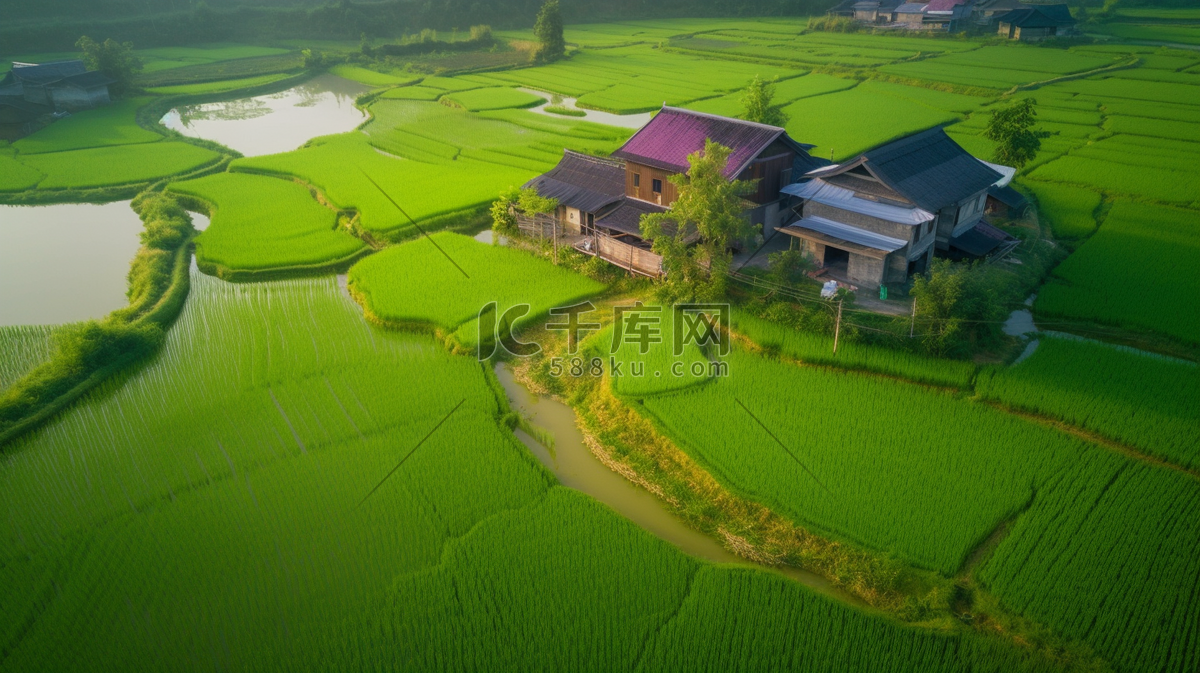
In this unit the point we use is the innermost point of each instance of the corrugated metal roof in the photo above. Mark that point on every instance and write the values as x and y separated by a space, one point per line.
980 239
943 5
582 181
911 8
927 168
674 133
838 197
1006 173
850 233
45 73
87 80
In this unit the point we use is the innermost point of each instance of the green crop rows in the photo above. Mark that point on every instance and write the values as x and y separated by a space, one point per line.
23 347
111 125
1106 281
118 165
493 98
1146 402
263 223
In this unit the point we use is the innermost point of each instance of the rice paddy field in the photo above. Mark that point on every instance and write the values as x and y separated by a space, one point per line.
303 477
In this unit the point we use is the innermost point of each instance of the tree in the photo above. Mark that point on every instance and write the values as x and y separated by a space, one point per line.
959 305
757 105
549 32
504 216
1012 129
112 58
708 213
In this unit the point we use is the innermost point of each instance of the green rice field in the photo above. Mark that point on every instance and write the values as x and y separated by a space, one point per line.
315 471
261 223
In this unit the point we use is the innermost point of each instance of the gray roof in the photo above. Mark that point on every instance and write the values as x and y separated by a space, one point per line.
980 239
927 168
1008 196
87 80
627 217
1039 16
45 73
582 181
911 8
851 234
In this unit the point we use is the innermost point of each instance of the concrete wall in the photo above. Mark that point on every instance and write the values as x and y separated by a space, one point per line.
866 271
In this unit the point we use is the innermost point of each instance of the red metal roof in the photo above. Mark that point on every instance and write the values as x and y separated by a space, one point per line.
667 140
943 5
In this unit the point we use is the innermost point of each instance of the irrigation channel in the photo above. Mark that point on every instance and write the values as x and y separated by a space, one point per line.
631 121
66 263
277 122
576 467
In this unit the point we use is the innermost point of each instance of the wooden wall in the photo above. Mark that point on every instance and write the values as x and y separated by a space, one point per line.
645 189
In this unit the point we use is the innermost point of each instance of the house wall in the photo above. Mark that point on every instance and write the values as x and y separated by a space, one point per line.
768 170
914 20
1034 34
864 270
72 98
954 219
644 190
920 237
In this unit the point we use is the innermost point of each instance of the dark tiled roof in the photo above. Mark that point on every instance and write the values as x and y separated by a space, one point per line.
1039 16
980 239
582 181
627 217
45 73
929 169
88 80
674 133
1008 196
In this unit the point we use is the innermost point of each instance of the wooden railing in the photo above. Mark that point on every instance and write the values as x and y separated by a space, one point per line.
625 255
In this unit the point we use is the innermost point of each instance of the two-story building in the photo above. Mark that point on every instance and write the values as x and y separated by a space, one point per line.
879 217
605 199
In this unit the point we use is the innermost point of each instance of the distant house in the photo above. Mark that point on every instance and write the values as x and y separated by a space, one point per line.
1036 22
603 200
984 12
875 12
62 85
879 217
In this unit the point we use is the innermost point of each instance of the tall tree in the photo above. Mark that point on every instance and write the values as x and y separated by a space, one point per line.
549 31
1017 143
758 104
112 58
695 235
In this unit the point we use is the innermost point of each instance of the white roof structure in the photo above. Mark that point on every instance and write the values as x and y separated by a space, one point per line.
822 192
1007 172
851 234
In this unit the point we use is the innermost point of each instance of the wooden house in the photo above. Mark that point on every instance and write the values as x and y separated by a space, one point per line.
604 200
879 217
1036 22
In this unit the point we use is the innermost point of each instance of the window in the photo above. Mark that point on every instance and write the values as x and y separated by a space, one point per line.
656 186
637 179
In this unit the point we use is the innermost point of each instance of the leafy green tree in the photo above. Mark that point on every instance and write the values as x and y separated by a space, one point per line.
1012 129
504 216
787 267
112 58
758 104
549 31
937 295
695 235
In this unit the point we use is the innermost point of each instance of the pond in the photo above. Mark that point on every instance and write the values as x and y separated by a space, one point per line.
277 122
65 263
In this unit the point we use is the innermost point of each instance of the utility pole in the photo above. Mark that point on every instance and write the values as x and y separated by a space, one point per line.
912 325
837 329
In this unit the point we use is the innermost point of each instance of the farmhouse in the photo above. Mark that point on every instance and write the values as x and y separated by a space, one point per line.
603 200
879 217
62 85
947 15
1036 22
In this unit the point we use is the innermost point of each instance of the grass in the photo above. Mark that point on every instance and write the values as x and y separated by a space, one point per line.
105 126
261 223
887 461
416 283
1140 400
834 121
1106 281
369 77
493 98
23 347
16 176
818 349
445 161
413 93
117 165
218 86
1070 211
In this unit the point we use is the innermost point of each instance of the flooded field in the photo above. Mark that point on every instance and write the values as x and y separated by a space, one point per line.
276 122
65 263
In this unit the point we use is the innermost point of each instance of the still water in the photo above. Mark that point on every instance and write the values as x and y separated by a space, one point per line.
65 263
277 122
576 467
631 121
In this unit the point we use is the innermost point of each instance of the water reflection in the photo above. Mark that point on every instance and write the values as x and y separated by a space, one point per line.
65 263
276 122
